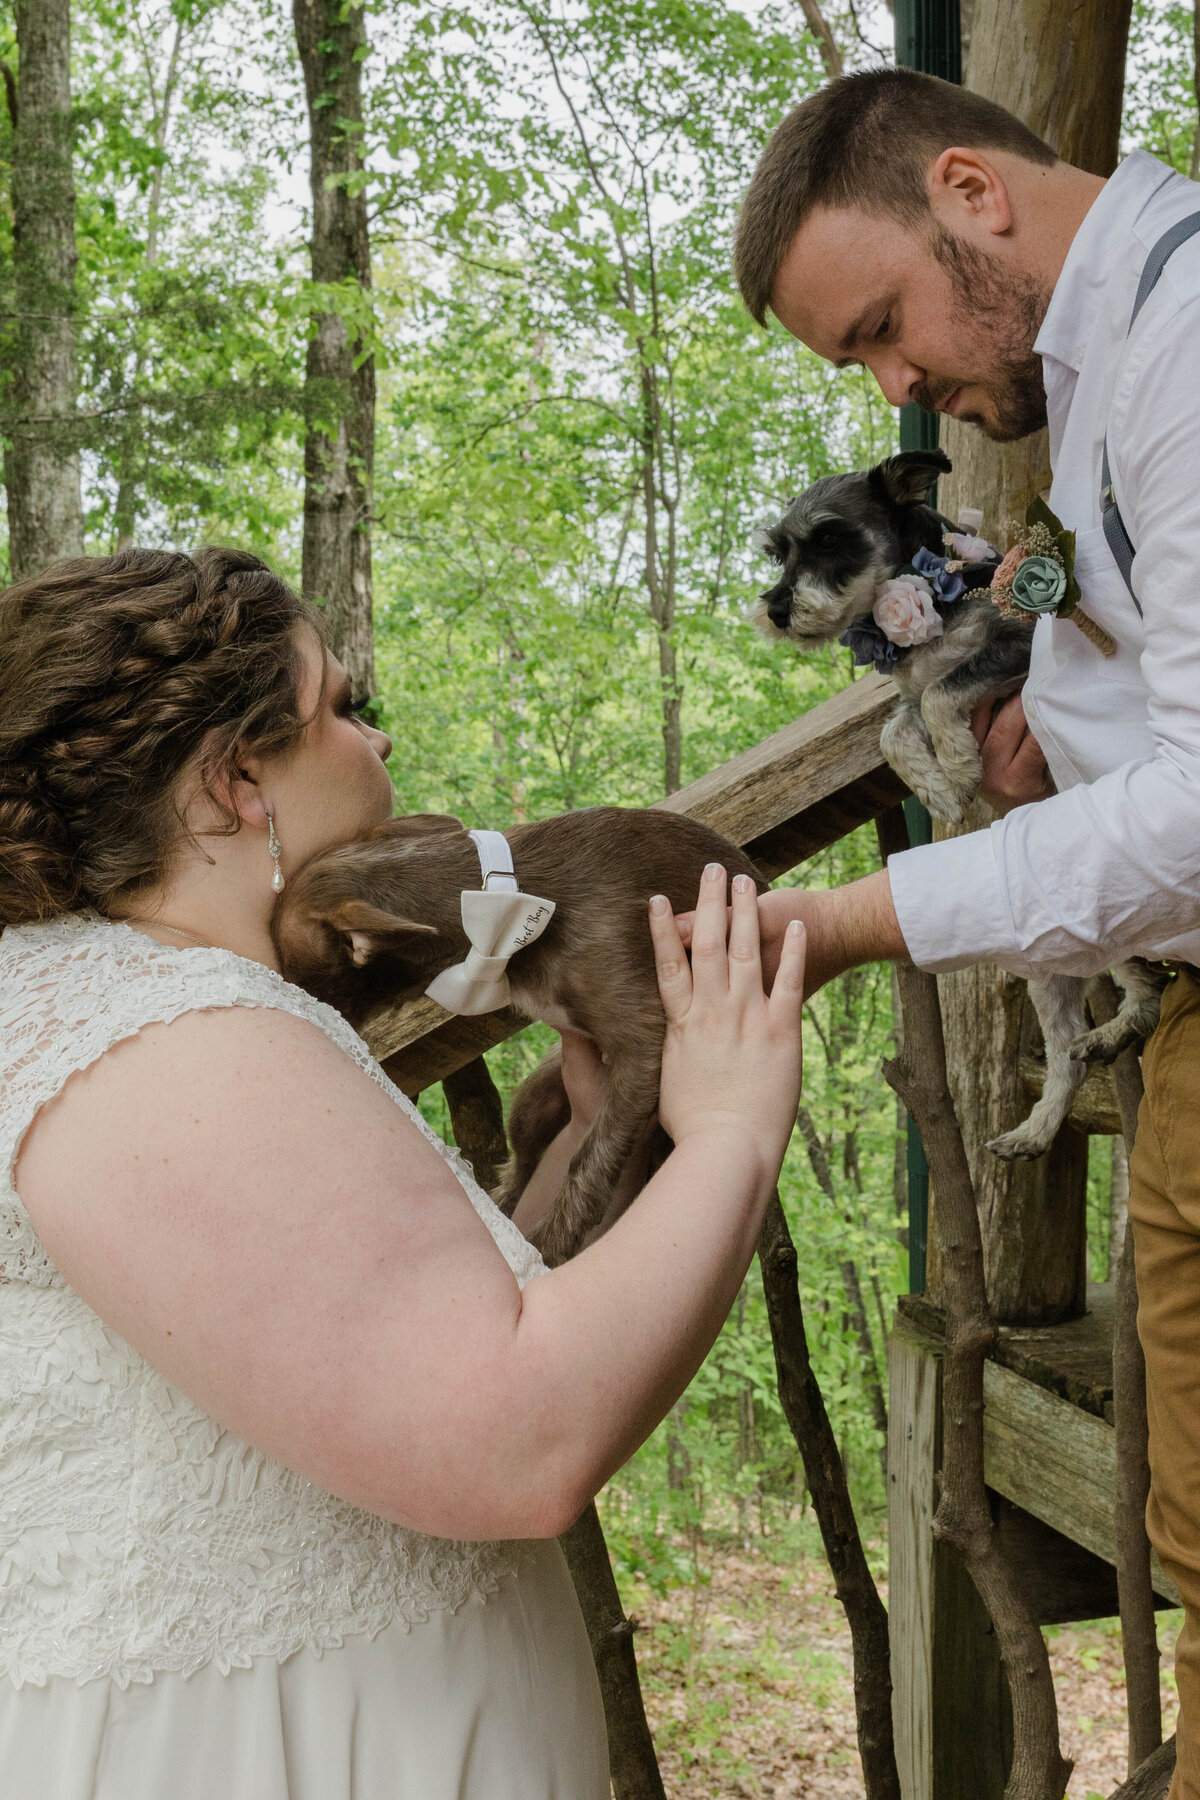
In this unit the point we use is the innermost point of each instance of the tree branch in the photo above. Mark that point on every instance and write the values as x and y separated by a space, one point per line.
10 92
831 56
805 1412
963 1517
632 1763
1152 1779
477 1118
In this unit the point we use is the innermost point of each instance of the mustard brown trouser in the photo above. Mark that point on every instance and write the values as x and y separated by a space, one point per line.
1164 1204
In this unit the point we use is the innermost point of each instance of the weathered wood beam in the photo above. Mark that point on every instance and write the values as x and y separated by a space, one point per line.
1094 1109
785 799
1057 1462
805 786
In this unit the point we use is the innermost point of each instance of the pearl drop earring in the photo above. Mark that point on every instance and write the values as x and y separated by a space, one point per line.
273 846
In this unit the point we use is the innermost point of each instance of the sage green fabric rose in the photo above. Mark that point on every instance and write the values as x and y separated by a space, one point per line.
1039 584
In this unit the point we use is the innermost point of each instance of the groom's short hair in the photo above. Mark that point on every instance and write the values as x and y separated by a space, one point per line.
865 141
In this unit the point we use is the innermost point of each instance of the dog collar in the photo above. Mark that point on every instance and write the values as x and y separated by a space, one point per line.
499 920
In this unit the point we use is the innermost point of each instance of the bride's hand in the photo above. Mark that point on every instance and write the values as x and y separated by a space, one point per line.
731 1057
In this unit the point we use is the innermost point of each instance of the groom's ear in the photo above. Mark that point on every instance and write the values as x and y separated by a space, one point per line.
370 930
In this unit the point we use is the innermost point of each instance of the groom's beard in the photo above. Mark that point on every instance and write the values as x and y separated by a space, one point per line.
1004 310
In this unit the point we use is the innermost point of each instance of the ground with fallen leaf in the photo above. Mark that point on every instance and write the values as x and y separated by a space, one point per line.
746 1673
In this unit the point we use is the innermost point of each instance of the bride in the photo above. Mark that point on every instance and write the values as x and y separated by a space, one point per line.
292 1414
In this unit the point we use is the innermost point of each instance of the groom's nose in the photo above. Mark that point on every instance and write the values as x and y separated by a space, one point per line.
897 377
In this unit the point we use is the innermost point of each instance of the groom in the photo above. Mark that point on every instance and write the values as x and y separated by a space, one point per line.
911 226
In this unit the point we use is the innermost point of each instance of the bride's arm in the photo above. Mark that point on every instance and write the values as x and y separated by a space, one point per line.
235 1197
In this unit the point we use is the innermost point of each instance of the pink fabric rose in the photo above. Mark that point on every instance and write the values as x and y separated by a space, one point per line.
971 549
1010 565
904 611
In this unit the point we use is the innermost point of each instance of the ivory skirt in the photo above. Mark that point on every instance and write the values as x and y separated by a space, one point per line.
498 1701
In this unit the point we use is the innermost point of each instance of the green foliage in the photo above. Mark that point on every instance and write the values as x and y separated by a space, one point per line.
1160 94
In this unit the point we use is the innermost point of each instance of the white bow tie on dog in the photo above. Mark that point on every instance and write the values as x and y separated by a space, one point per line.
499 920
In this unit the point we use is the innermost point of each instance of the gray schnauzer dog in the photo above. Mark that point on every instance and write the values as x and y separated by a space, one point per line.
837 543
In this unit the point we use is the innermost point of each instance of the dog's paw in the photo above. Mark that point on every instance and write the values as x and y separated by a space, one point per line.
944 804
1019 1145
1105 1044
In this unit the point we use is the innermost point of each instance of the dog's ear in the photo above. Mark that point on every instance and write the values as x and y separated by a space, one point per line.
371 929
908 477
414 825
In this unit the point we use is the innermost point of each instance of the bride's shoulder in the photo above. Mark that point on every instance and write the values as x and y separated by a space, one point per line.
83 977
75 988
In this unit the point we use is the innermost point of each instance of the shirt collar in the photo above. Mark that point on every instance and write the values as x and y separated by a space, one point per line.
1106 244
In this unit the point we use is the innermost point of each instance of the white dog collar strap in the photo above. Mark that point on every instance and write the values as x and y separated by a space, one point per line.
499 920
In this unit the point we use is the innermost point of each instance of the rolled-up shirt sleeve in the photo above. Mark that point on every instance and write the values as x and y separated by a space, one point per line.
1110 869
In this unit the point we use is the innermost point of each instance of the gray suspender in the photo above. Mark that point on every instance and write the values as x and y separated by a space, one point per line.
1116 536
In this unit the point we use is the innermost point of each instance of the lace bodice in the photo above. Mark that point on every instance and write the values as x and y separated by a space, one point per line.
135 1533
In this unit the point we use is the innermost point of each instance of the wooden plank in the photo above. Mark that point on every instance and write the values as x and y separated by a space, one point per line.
427 1043
950 1711
1073 1359
819 754
914 1391
1055 1461
785 799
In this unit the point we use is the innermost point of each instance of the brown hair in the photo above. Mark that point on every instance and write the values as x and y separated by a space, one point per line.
865 141
114 672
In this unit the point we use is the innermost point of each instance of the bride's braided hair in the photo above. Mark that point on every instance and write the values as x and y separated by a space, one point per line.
114 672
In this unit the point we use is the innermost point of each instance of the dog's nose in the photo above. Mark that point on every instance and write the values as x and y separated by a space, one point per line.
779 604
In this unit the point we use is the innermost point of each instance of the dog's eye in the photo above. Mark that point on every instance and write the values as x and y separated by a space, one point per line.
826 537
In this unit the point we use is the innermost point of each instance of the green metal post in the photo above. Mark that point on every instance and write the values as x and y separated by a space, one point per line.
929 38
920 831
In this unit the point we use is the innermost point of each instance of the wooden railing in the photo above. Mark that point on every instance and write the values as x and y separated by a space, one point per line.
782 801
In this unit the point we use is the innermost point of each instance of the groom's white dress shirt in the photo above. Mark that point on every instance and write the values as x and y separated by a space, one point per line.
1109 867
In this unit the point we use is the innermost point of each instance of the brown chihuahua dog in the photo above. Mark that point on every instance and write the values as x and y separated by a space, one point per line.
377 921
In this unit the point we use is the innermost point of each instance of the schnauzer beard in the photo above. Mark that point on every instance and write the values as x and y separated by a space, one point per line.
817 616
1007 308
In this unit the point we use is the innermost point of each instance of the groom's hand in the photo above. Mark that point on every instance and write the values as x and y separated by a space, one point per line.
1014 769
845 926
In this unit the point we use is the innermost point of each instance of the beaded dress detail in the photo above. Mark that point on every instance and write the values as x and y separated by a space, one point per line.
137 1535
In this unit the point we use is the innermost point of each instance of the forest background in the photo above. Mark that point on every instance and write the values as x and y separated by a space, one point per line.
577 431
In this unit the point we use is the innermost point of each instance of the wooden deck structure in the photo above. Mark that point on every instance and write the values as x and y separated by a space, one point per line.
1050 1455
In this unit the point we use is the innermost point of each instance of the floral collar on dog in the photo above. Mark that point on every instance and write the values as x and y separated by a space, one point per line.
1037 575
909 608
499 920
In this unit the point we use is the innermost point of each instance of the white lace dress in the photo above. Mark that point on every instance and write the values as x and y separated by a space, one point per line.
181 1618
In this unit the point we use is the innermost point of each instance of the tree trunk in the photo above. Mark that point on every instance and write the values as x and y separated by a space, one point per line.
129 471
339 404
41 464
1060 68
856 1310
804 1409
632 1763
1118 1205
